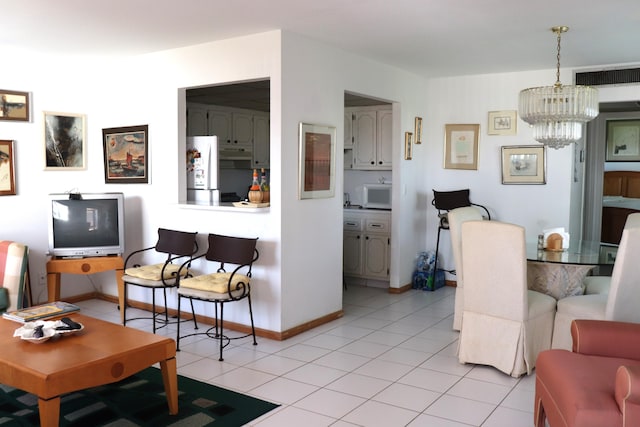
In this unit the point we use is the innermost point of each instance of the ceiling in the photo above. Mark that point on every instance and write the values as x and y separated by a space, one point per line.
427 37
432 38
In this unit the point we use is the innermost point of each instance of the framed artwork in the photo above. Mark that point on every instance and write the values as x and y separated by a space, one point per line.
126 154
623 141
65 141
502 123
317 161
7 172
461 146
14 105
418 130
408 153
523 164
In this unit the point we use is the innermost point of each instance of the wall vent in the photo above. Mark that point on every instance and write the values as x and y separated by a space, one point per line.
608 77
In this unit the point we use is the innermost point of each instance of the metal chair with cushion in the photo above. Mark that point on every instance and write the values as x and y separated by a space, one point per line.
177 249
234 258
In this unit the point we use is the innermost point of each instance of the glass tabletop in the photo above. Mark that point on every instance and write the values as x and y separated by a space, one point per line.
582 252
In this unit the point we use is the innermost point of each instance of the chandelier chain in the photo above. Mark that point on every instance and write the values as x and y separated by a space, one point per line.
559 31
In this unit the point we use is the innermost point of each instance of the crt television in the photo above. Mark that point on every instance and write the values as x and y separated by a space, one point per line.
86 224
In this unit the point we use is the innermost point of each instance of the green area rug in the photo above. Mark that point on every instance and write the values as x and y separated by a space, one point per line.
138 401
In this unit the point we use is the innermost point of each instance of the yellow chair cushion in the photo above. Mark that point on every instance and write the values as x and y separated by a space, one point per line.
153 272
215 282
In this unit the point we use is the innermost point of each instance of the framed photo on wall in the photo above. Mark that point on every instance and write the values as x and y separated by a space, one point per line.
317 161
65 141
523 164
408 149
7 172
502 123
418 130
14 105
461 146
126 154
623 141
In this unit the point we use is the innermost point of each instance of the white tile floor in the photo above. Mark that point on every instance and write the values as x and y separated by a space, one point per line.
390 361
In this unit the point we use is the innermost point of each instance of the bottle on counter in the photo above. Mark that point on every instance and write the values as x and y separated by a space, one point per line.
255 194
264 187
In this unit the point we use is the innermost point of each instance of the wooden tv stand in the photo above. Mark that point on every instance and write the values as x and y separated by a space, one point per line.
90 265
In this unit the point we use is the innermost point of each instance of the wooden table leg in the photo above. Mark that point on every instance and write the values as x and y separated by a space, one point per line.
170 380
49 412
53 287
121 298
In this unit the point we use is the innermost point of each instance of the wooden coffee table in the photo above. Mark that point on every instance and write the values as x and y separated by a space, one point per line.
101 353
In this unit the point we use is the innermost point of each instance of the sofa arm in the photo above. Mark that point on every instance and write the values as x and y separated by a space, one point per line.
628 394
606 338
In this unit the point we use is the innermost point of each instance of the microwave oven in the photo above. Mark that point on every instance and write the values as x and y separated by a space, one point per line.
376 196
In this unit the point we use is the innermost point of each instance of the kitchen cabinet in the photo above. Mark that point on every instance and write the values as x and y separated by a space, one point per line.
366 243
197 122
372 138
349 117
261 144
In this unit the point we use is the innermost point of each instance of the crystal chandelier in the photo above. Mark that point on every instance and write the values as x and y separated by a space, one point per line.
557 112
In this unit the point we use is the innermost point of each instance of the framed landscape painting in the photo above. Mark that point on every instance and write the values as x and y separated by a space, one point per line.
14 105
126 154
523 164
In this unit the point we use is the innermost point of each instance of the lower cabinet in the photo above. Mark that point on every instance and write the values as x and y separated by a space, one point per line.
366 243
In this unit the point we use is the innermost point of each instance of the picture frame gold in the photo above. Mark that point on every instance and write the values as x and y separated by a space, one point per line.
461 146
126 154
408 148
65 141
317 161
418 130
14 105
7 169
524 164
502 122
623 141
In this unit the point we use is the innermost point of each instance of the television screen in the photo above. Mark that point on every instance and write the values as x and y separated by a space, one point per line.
86 224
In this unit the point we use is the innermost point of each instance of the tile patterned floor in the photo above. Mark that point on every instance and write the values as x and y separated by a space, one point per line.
390 361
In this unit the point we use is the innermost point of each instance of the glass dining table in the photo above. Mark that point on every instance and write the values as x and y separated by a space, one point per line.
561 273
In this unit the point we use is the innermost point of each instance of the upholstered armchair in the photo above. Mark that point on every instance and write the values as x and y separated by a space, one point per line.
14 274
595 385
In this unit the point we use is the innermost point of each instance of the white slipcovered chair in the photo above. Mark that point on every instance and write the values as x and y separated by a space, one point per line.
620 303
456 218
601 284
504 324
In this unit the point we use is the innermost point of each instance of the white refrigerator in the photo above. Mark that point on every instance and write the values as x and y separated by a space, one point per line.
202 170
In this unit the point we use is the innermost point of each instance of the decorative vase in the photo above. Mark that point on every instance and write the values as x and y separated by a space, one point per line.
255 196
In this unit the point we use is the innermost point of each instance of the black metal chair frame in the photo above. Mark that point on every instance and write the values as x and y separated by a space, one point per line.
180 248
444 201
242 253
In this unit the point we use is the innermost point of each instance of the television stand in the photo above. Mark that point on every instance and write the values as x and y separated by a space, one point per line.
90 265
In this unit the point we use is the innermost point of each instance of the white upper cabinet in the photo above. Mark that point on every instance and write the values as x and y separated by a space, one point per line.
372 135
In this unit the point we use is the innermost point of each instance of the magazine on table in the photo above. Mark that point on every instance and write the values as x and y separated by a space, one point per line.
43 311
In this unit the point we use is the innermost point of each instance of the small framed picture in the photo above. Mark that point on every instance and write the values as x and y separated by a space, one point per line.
623 141
461 146
502 123
418 131
317 161
408 148
7 172
14 105
523 164
65 141
126 155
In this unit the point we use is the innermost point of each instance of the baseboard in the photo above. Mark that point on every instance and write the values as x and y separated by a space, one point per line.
239 327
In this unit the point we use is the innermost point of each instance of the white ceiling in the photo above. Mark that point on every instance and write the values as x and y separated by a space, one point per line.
428 37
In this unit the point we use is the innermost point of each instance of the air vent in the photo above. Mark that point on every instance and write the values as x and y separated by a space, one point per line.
608 77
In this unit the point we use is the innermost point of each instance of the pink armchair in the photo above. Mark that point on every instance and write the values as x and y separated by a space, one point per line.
597 384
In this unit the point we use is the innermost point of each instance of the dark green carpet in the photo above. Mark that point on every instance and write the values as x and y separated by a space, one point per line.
138 401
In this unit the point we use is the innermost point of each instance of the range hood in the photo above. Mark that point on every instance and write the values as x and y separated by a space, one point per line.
234 153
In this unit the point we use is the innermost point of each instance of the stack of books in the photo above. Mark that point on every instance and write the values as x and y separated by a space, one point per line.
41 312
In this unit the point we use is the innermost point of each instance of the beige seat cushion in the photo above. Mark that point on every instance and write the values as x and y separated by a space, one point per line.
215 282
154 272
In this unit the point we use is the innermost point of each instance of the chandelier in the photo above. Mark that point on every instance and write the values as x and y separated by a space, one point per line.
557 112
